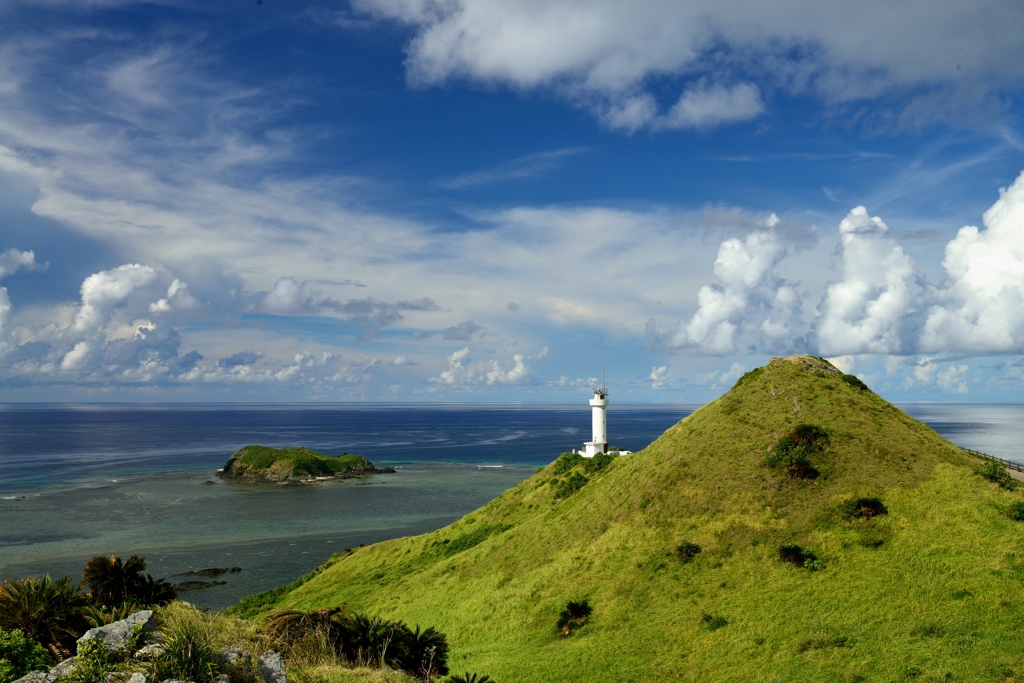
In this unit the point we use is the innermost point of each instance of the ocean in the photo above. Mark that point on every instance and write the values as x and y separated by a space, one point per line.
84 480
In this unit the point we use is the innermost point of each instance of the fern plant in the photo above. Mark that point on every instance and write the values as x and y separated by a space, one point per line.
49 612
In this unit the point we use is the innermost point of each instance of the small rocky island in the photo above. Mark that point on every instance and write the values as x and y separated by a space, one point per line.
284 466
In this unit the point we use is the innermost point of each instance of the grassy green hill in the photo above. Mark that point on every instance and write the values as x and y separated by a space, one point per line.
933 590
263 463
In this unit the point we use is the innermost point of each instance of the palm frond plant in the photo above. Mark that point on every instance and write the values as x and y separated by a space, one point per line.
49 612
470 678
150 591
114 584
331 626
424 653
374 641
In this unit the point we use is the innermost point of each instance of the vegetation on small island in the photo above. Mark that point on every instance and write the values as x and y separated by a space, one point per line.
294 465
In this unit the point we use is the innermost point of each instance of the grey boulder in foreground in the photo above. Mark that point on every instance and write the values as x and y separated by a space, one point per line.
119 635
272 669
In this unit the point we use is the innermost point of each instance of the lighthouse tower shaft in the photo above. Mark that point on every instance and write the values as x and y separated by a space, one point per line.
599 440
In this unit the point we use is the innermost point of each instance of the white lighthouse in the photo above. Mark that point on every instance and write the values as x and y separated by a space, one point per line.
599 441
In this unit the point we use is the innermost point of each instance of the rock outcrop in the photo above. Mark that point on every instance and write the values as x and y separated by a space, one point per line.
236 662
124 638
271 667
120 635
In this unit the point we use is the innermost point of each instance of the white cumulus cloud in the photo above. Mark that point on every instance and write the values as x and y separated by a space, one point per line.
658 376
954 378
750 288
464 371
76 357
13 259
604 53
178 299
732 374
103 291
867 310
702 106
981 307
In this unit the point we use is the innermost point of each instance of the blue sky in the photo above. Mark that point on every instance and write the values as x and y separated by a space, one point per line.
481 200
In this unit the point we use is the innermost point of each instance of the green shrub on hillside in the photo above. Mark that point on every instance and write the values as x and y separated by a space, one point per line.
570 485
854 382
713 623
424 653
1016 511
92 664
597 463
996 472
565 462
748 375
575 615
793 452
20 655
473 538
799 557
687 551
863 508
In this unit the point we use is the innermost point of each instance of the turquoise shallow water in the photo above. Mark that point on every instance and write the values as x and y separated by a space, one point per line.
275 534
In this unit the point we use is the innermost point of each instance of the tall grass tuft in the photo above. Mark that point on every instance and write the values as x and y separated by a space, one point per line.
189 653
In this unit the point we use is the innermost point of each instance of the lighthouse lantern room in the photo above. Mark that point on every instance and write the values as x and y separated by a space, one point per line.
598 407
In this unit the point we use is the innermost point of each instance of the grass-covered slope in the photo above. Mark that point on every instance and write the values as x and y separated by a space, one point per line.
933 590
266 464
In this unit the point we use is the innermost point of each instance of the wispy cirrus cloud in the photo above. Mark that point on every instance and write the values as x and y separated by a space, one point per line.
515 169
